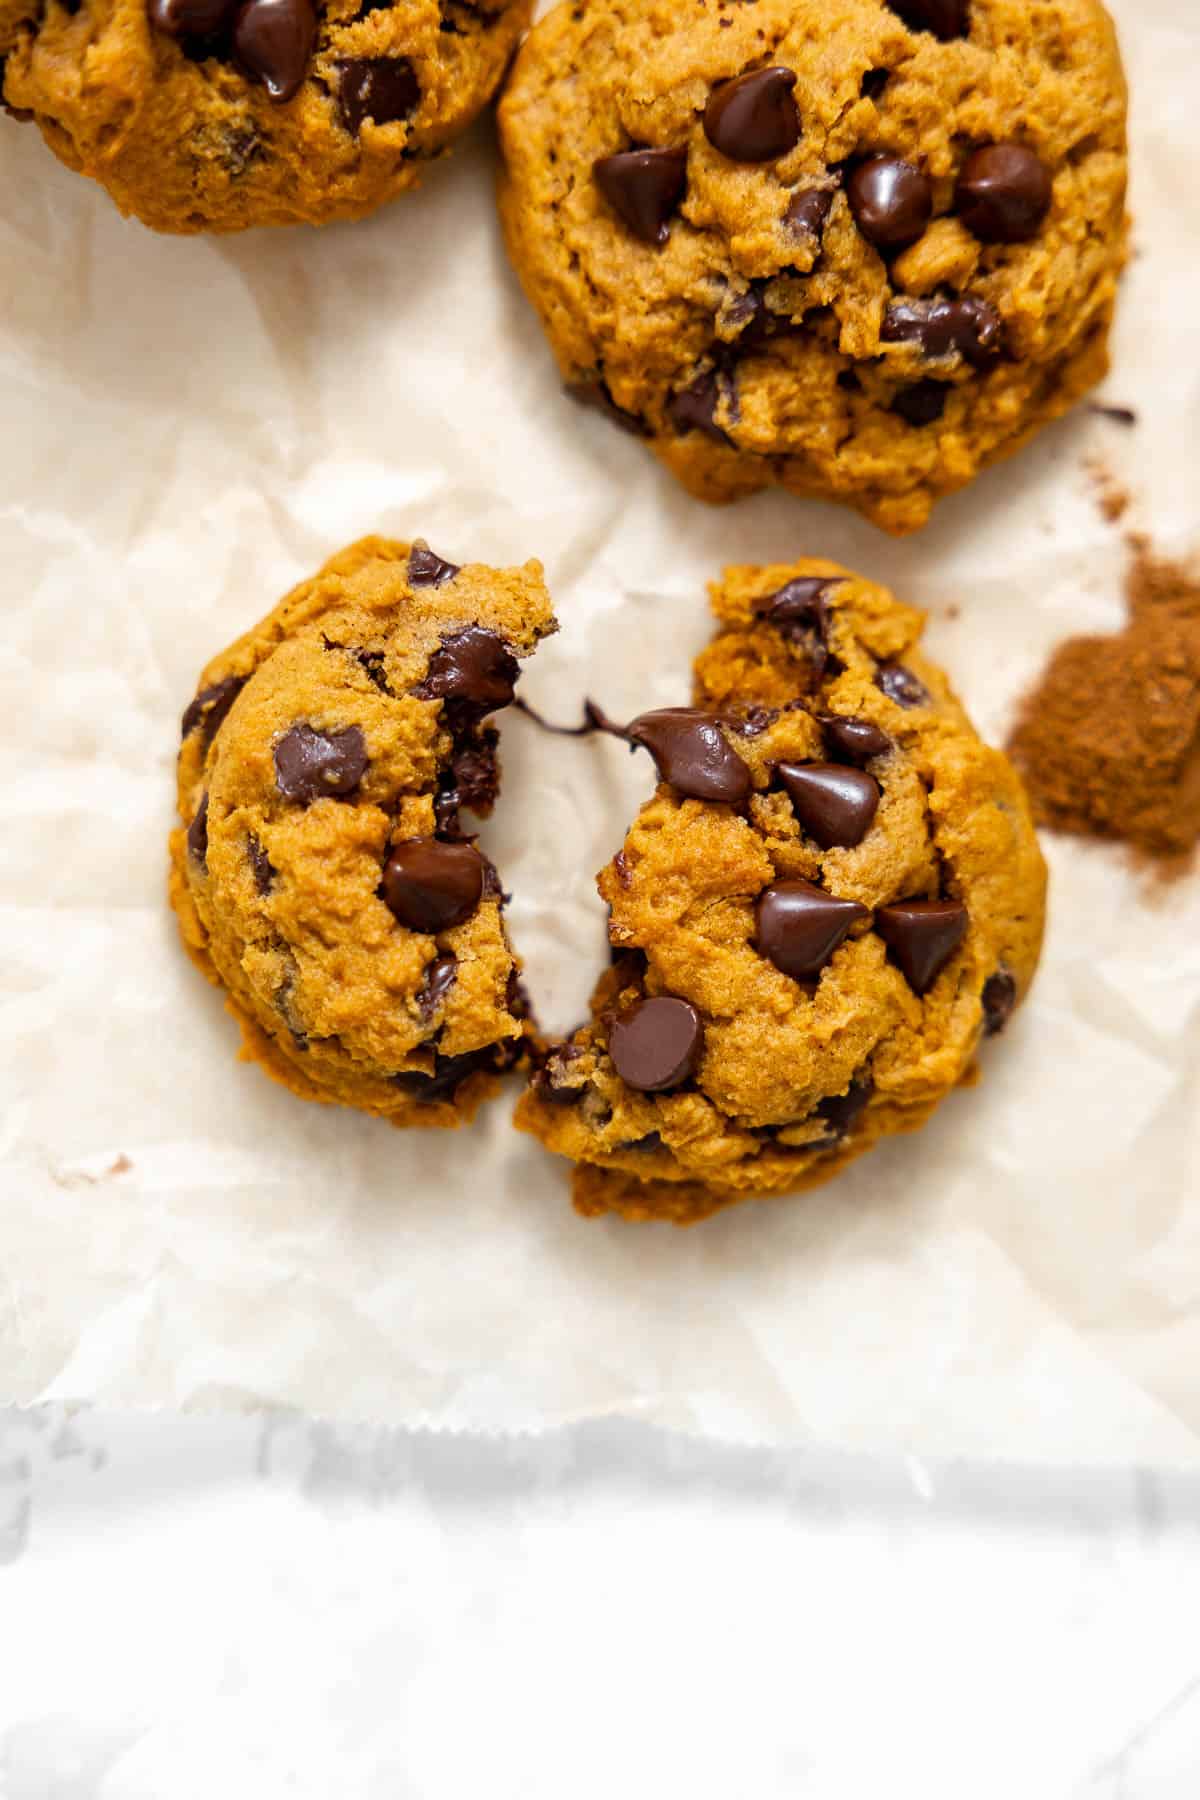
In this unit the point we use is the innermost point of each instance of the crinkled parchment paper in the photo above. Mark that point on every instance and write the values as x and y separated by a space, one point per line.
188 427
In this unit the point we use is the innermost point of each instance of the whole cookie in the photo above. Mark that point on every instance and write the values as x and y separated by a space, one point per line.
833 895
321 873
212 115
855 248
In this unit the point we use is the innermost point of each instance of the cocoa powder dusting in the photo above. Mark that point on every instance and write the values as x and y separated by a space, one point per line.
1109 740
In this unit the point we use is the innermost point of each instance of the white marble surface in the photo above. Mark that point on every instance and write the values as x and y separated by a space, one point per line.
211 1607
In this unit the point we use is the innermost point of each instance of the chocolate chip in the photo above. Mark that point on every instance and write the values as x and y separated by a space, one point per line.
839 1111
901 685
694 408
474 672
440 976
835 805
596 395
310 765
472 781
921 404
800 610
970 326
645 1145
450 1071
945 18
754 118
999 999
807 212
197 835
693 754
922 936
431 886
799 926
426 569
873 83
849 380
891 201
260 864
190 18
657 1044
551 1079
273 40
211 707
853 740
1003 193
381 88
643 187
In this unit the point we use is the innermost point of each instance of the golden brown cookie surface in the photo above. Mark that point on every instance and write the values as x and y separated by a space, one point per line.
321 874
816 243
835 892
202 115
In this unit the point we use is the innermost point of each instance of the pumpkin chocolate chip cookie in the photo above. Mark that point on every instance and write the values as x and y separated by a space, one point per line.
212 115
834 894
855 248
321 873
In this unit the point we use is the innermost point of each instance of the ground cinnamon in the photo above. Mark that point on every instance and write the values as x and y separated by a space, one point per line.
1109 740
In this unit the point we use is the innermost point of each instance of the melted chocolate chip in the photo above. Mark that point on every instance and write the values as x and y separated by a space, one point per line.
273 41
922 936
839 1111
835 805
311 765
945 18
694 408
999 999
643 187
799 926
653 1140
381 88
970 326
853 740
260 865
440 977
901 685
800 610
472 781
474 672
197 835
1003 193
431 886
596 395
551 1080
426 568
873 83
807 212
657 1044
891 201
693 754
921 404
754 118
211 707
449 1071
191 18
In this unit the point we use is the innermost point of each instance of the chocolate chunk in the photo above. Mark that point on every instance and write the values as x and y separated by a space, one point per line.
191 18
754 118
970 326
643 187
431 886
693 754
853 740
596 395
922 936
657 1044
891 201
835 805
426 568
1003 193
807 212
799 926
197 835
450 1071
901 685
694 408
945 18
999 999
273 41
440 976
310 765
873 83
381 88
260 864
800 609
839 1111
474 672
211 707
921 404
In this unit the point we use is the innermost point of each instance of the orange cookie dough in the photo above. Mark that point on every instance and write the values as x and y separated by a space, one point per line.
855 248
321 874
210 115
834 894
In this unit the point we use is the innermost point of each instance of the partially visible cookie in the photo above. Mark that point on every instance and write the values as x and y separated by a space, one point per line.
855 248
213 115
322 874
835 893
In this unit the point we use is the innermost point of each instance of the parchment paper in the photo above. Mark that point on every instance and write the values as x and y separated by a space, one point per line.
189 427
